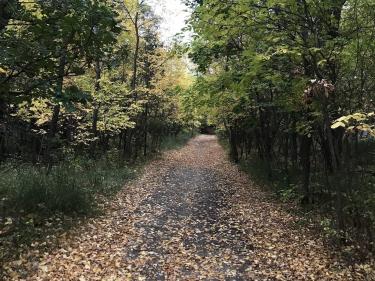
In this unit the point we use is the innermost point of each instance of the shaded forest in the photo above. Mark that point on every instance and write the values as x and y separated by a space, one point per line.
89 92
85 88
290 86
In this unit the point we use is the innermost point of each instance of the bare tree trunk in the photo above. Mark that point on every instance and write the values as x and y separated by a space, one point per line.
286 155
334 163
305 152
95 115
233 144
145 132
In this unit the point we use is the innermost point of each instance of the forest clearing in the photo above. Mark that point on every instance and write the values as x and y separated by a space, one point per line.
187 140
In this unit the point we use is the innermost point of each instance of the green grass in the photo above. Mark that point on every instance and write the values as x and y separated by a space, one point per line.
69 187
37 204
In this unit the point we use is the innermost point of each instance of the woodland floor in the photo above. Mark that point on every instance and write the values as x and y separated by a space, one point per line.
192 215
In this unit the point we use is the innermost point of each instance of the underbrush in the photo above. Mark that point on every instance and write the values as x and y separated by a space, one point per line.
356 180
68 187
39 203
356 239
71 186
284 186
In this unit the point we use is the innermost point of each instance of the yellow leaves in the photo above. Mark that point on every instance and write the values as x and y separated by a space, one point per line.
3 71
33 7
338 124
8 221
173 72
39 110
354 123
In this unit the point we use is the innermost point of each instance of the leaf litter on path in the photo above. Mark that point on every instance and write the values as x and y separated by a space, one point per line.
192 215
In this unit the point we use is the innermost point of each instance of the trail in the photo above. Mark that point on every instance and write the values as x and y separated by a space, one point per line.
191 216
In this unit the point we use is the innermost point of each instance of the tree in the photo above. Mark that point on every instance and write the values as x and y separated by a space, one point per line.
276 76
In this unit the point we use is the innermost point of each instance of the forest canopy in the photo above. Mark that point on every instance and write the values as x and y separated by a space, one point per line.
80 74
87 90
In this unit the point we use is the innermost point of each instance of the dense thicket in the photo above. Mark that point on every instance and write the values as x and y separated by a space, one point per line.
86 86
291 83
84 76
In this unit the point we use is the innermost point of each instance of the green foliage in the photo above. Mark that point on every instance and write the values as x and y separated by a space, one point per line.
86 87
289 193
291 83
328 228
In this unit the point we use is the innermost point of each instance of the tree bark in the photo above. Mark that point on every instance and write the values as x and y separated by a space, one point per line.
58 95
95 114
136 54
233 144
305 153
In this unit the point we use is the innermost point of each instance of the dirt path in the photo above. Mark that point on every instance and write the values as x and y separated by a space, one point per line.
191 216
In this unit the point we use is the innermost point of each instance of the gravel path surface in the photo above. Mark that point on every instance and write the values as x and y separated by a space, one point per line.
191 216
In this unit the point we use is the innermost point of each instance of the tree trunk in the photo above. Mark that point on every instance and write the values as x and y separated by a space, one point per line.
305 152
59 89
233 145
334 163
286 155
5 12
95 114
145 132
136 54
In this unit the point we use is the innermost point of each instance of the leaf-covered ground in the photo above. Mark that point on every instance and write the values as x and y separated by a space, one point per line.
191 216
